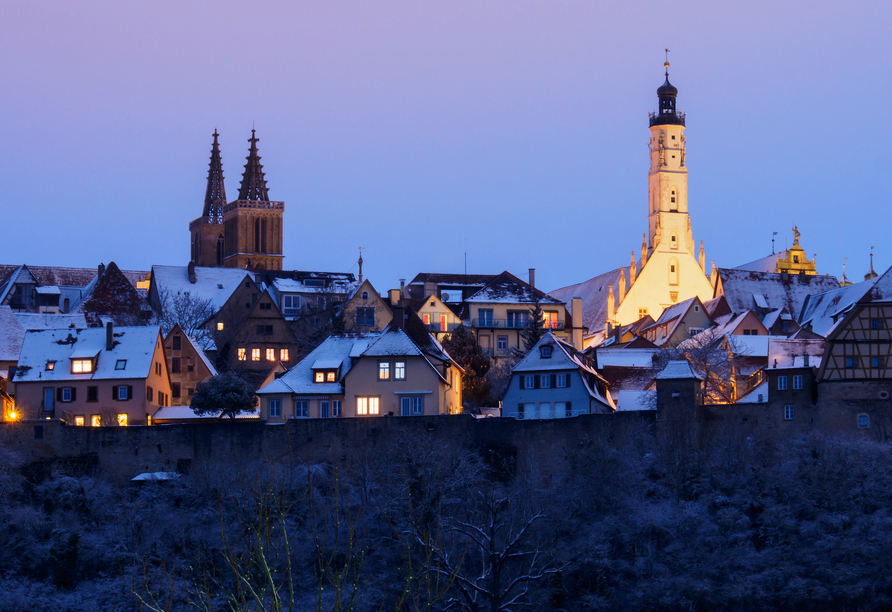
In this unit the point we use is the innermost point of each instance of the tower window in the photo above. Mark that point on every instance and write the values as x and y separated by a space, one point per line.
795 258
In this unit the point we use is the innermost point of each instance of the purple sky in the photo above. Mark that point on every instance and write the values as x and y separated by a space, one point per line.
513 131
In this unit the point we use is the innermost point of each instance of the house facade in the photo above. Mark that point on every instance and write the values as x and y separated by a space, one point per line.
187 364
96 377
555 381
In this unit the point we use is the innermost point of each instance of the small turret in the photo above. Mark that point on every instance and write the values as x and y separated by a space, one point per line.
870 274
633 271
667 93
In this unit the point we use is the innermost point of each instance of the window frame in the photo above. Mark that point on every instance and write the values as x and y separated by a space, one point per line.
301 409
782 383
275 408
77 366
384 370
789 412
797 381
399 370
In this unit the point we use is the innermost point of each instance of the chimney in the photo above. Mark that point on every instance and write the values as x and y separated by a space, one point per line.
533 277
399 315
192 272
101 268
403 287
109 336
576 322
395 296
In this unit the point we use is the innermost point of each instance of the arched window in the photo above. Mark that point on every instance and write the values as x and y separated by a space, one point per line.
673 271
220 250
365 296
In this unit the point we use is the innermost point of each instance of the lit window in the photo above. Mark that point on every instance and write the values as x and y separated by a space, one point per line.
50 365
366 405
788 413
122 420
120 364
275 408
283 354
242 356
270 354
642 312
399 370
219 327
427 319
320 377
781 383
330 377
443 323
301 408
797 382
81 366
95 420
79 420
383 370
255 354
550 320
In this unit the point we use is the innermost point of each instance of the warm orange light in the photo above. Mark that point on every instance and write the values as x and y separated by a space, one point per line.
12 415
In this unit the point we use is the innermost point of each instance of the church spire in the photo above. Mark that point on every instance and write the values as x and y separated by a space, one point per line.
215 196
870 274
253 185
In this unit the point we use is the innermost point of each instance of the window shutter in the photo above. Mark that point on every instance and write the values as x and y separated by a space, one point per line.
129 392
522 380
114 393
73 394
569 378
569 406
59 394
536 382
553 381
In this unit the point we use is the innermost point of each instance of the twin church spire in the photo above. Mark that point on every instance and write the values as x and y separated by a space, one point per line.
246 233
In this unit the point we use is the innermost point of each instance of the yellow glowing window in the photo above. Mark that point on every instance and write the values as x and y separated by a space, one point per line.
383 370
320 377
330 377
219 327
50 365
241 355
255 354
427 319
283 354
442 322
550 320
270 354
81 366
95 420
122 420
79 420
366 405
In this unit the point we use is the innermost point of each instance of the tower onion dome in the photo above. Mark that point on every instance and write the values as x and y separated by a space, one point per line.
667 92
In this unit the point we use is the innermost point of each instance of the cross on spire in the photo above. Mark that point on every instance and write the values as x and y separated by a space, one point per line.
215 196
666 63
253 185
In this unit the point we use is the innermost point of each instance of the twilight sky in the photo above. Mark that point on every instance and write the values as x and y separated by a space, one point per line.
513 131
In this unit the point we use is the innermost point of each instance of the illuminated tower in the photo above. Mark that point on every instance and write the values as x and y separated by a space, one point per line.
253 223
207 230
668 220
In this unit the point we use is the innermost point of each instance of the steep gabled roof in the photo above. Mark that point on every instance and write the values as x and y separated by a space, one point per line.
110 294
593 293
822 312
882 288
764 264
135 344
334 349
678 369
673 316
740 288
209 282
508 289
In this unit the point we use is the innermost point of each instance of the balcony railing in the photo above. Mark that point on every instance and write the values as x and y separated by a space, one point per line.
666 118
512 324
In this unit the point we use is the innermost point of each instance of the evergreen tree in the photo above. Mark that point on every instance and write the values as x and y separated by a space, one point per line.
225 393
462 346
534 332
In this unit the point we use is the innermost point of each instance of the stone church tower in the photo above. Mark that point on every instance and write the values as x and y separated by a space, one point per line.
670 269
245 233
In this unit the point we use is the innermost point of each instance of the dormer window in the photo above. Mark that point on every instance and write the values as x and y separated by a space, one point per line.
50 365
545 351
81 366
325 376
320 377
120 364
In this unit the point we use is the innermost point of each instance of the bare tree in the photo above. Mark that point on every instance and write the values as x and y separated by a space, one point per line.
187 310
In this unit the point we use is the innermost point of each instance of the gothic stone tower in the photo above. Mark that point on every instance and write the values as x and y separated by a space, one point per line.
669 271
253 223
207 230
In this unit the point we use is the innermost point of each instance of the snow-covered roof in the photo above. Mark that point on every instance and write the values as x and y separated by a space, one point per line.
208 281
133 345
626 357
33 320
326 364
636 400
185 413
393 342
740 287
508 289
291 285
334 349
789 352
757 395
11 335
821 312
677 369
749 346
155 477
882 288
765 264
593 294
51 290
